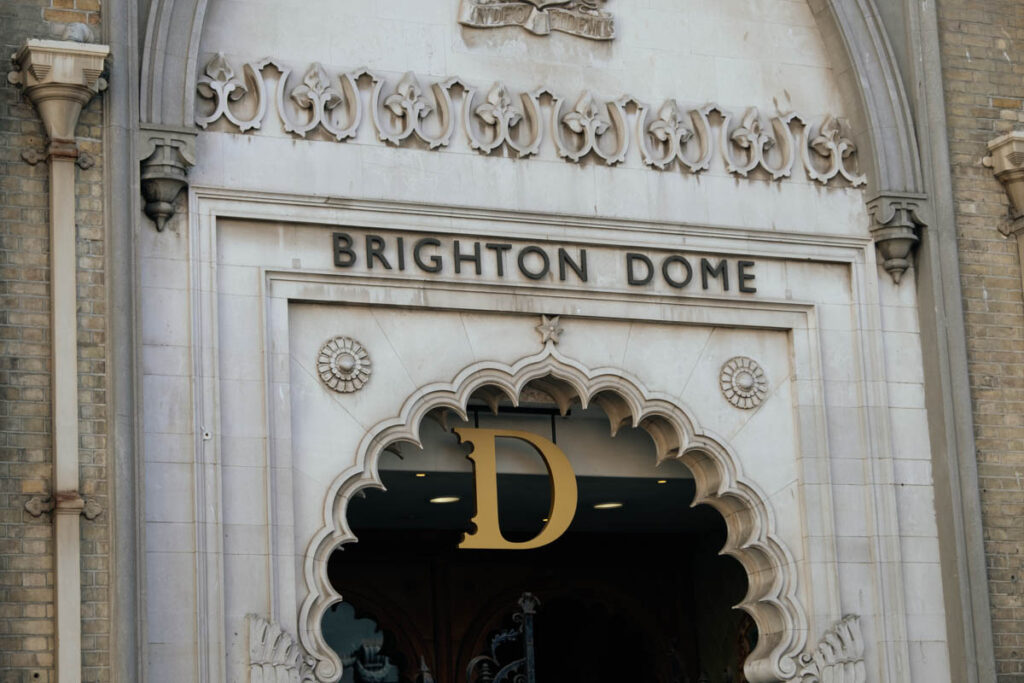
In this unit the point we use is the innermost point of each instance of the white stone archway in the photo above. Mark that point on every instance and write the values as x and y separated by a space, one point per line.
771 598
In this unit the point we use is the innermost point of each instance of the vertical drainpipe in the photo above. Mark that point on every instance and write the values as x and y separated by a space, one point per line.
60 77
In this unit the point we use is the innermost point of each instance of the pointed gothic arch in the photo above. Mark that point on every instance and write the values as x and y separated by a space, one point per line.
771 598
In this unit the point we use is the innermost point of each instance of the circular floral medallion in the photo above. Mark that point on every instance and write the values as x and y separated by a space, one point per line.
743 382
344 365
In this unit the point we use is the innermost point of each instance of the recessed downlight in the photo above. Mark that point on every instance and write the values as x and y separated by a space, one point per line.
663 481
420 475
607 506
441 500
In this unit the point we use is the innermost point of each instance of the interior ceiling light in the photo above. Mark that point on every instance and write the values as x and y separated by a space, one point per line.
445 499
660 481
607 506
421 474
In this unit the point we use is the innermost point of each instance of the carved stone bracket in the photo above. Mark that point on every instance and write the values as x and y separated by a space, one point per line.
274 656
1006 159
166 155
68 503
895 220
839 656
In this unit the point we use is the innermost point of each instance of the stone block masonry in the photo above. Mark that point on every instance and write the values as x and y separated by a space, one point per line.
26 468
983 65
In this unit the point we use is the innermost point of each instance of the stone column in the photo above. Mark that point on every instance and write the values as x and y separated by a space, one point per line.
60 77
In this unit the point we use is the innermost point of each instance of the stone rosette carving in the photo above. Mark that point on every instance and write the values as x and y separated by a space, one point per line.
343 365
838 657
583 18
743 382
582 126
274 656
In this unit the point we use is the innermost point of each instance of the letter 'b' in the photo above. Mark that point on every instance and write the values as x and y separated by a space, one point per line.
485 469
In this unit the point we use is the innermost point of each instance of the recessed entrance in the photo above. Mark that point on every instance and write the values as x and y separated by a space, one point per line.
635 590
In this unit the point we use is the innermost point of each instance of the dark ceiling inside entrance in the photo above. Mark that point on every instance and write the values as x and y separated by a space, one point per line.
646 504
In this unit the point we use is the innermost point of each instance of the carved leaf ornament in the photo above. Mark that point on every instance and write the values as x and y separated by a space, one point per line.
672 136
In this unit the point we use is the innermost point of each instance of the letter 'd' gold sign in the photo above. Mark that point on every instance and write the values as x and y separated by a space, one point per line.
485 470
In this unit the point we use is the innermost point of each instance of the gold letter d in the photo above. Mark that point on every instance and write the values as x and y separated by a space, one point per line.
485 469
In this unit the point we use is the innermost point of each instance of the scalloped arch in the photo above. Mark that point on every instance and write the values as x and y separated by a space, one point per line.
771 597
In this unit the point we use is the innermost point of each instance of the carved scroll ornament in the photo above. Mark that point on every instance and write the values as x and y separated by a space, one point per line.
499 119
583 18
838 658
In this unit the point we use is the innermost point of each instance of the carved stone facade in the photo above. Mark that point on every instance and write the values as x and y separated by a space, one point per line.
182 446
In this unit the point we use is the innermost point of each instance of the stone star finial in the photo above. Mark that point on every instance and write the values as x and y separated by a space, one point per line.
549 329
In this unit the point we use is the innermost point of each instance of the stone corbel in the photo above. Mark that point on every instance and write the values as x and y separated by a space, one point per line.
166 156
1006 159
895 220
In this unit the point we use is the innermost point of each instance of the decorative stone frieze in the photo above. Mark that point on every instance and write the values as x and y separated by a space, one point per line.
895 220
838 657
585 126
583 18
274 656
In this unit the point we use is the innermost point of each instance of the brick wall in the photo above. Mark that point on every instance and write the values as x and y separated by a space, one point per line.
26 547
983 63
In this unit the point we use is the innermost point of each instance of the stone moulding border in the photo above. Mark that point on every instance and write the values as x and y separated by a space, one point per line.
771 570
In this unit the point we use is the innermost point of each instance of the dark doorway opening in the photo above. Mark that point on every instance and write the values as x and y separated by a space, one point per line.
636 593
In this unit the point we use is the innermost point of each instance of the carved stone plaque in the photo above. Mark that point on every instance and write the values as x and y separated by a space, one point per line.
582 18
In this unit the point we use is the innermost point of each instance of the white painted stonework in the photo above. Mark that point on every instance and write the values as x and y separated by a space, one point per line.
247 450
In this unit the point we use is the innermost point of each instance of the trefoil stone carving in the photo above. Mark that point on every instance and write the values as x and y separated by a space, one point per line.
343 365
743 382
499 121
586 124
832 147
667 137
838 657
319 98
583 18
219 84
752 140
407 109
274 656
